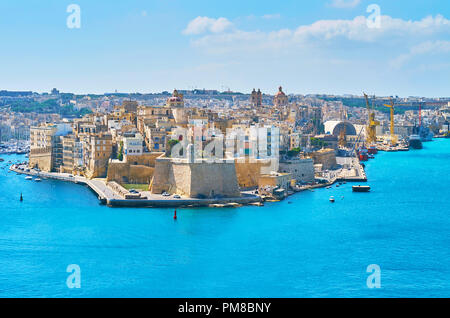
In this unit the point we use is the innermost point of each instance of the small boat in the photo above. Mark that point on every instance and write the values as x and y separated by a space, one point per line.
415 142
337 185
361 188
372 150
332 200
38 179
329 187
28 178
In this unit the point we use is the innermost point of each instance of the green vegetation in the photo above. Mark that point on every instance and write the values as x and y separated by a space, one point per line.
170 144
47 107
294 152
315 142
139 187
120 155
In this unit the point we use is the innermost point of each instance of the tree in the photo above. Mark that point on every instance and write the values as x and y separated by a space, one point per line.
120 155
294 152
170 144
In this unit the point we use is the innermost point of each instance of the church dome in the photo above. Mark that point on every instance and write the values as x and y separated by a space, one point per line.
280 92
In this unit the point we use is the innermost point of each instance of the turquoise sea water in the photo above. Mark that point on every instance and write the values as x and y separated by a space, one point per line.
309 248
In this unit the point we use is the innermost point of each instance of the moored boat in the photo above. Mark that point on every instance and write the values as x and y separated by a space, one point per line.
372 150
361 188
332 199
415 142
363 154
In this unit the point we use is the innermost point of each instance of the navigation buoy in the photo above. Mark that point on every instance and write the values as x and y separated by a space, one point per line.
175 215
21 197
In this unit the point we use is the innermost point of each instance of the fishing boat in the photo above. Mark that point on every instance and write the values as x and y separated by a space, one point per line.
372 150
361 188
363 154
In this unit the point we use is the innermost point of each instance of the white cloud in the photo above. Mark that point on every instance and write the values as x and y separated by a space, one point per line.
205 24
271 16
344 3
322 32
424 48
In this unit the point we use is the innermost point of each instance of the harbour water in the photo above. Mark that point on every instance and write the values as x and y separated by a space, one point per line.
302 247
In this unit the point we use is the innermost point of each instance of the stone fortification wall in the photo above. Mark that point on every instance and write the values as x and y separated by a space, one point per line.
41 158
302 170
326 157
123 172
248 173
195 180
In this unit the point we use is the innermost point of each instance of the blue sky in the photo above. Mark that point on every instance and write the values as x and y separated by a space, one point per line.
156 45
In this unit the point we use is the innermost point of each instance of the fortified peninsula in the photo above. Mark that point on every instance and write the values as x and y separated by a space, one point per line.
171 155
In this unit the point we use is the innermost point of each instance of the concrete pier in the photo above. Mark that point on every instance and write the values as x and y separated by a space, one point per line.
108 196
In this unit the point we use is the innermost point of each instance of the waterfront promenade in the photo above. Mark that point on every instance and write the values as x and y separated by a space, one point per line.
350 170
112 198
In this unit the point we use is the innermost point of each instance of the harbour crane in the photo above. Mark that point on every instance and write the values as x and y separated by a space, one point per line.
393 136
371 123
343 131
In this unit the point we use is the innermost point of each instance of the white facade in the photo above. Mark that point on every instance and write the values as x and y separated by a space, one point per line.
133 146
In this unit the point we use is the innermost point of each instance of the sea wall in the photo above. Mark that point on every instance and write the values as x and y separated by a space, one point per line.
41 158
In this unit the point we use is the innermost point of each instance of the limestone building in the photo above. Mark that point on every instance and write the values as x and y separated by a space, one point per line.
280 99
46 146
302 170
195 178
256 98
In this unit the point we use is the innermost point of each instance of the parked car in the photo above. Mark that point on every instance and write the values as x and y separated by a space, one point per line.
165 194
133 191
176 196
